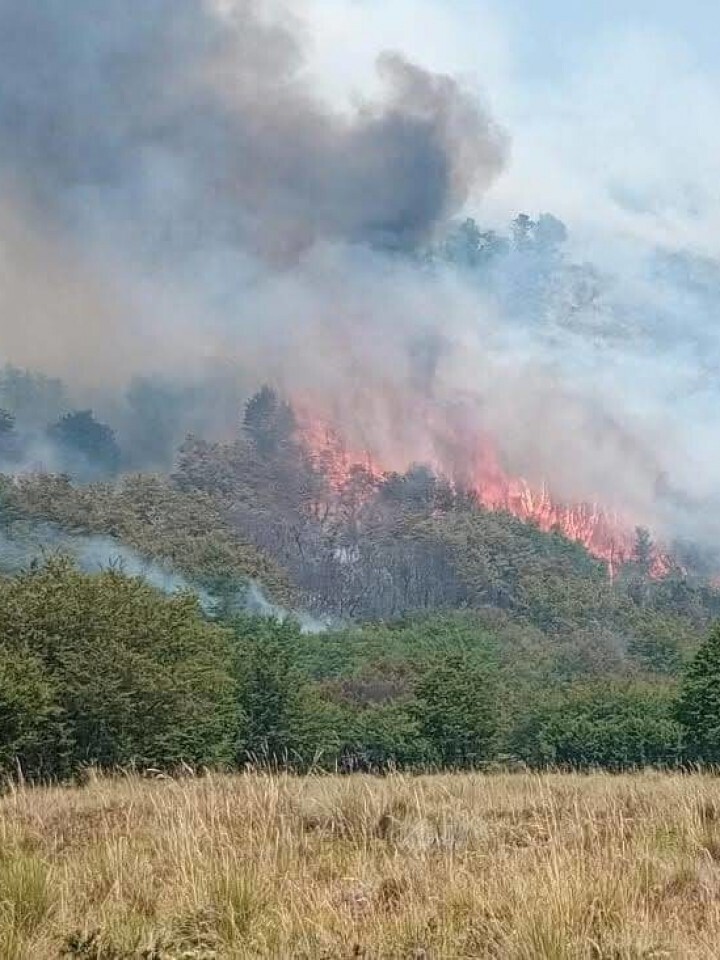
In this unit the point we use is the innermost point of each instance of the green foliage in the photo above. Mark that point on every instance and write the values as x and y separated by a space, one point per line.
456 708
699 705
468 634
657 650
134 676
388 735
613 724
85 444
269 421
408 641
270 691
189 530
31 730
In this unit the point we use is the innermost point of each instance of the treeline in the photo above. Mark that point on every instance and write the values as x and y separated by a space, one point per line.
44 426
103 670
370 548
475 637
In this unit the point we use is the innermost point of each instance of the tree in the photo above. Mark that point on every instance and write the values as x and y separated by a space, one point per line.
137 676
270 690
32 398
550 232
522 230
7 423
10 446
644 550
698 707
416 488
32 736
613 724
83 442
456 708
269 421
467 246
386 736
154 417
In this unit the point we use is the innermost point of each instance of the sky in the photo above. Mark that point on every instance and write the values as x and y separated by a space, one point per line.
608 105
553 28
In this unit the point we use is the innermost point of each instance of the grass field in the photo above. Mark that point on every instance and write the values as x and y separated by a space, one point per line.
516 866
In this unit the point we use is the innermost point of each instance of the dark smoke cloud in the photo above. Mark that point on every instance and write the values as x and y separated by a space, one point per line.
194 126
173 191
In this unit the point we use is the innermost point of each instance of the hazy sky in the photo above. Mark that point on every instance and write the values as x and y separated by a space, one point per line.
612 107
553 29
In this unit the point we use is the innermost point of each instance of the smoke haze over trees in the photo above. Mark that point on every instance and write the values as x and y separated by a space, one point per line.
187 213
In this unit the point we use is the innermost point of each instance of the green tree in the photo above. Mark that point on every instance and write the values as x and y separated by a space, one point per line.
644 550
698 708
139 677
269 421
271 691
614 724
83 442
388 735
456 708
31 732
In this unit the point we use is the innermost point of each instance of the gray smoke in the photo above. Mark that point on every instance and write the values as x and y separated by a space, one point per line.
20 550
175 196
255 601
186 127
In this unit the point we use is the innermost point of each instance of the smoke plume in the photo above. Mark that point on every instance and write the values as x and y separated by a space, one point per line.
186 126
178 201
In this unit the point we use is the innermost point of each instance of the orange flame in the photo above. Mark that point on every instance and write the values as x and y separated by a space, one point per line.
604 534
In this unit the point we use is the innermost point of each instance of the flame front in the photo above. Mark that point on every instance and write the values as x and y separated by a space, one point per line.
604 533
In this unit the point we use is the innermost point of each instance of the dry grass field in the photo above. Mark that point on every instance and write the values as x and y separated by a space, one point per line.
515 866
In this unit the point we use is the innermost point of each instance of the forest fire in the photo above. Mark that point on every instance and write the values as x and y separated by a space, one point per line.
330 455
603 533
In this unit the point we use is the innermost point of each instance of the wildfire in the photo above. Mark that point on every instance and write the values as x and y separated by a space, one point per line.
603 533
330 455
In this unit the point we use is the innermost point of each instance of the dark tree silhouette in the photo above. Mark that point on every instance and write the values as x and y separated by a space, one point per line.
84 443
269 421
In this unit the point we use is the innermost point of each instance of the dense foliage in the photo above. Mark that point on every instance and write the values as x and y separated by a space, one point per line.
455 636
102 669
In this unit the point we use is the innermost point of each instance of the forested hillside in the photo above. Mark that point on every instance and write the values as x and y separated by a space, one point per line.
201 573
342 617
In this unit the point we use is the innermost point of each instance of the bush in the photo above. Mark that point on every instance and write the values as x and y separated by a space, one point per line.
602 723
271 692
456 708
136 677
31 732
698 708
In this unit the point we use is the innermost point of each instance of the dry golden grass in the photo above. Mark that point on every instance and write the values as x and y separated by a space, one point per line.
496 866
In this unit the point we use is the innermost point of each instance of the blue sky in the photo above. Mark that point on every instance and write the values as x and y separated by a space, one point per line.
554 25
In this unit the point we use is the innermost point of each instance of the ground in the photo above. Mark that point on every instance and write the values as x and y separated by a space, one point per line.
483 865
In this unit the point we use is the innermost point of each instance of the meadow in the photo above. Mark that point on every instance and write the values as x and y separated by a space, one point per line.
455 865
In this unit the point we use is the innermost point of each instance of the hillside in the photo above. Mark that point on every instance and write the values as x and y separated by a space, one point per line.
356 619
